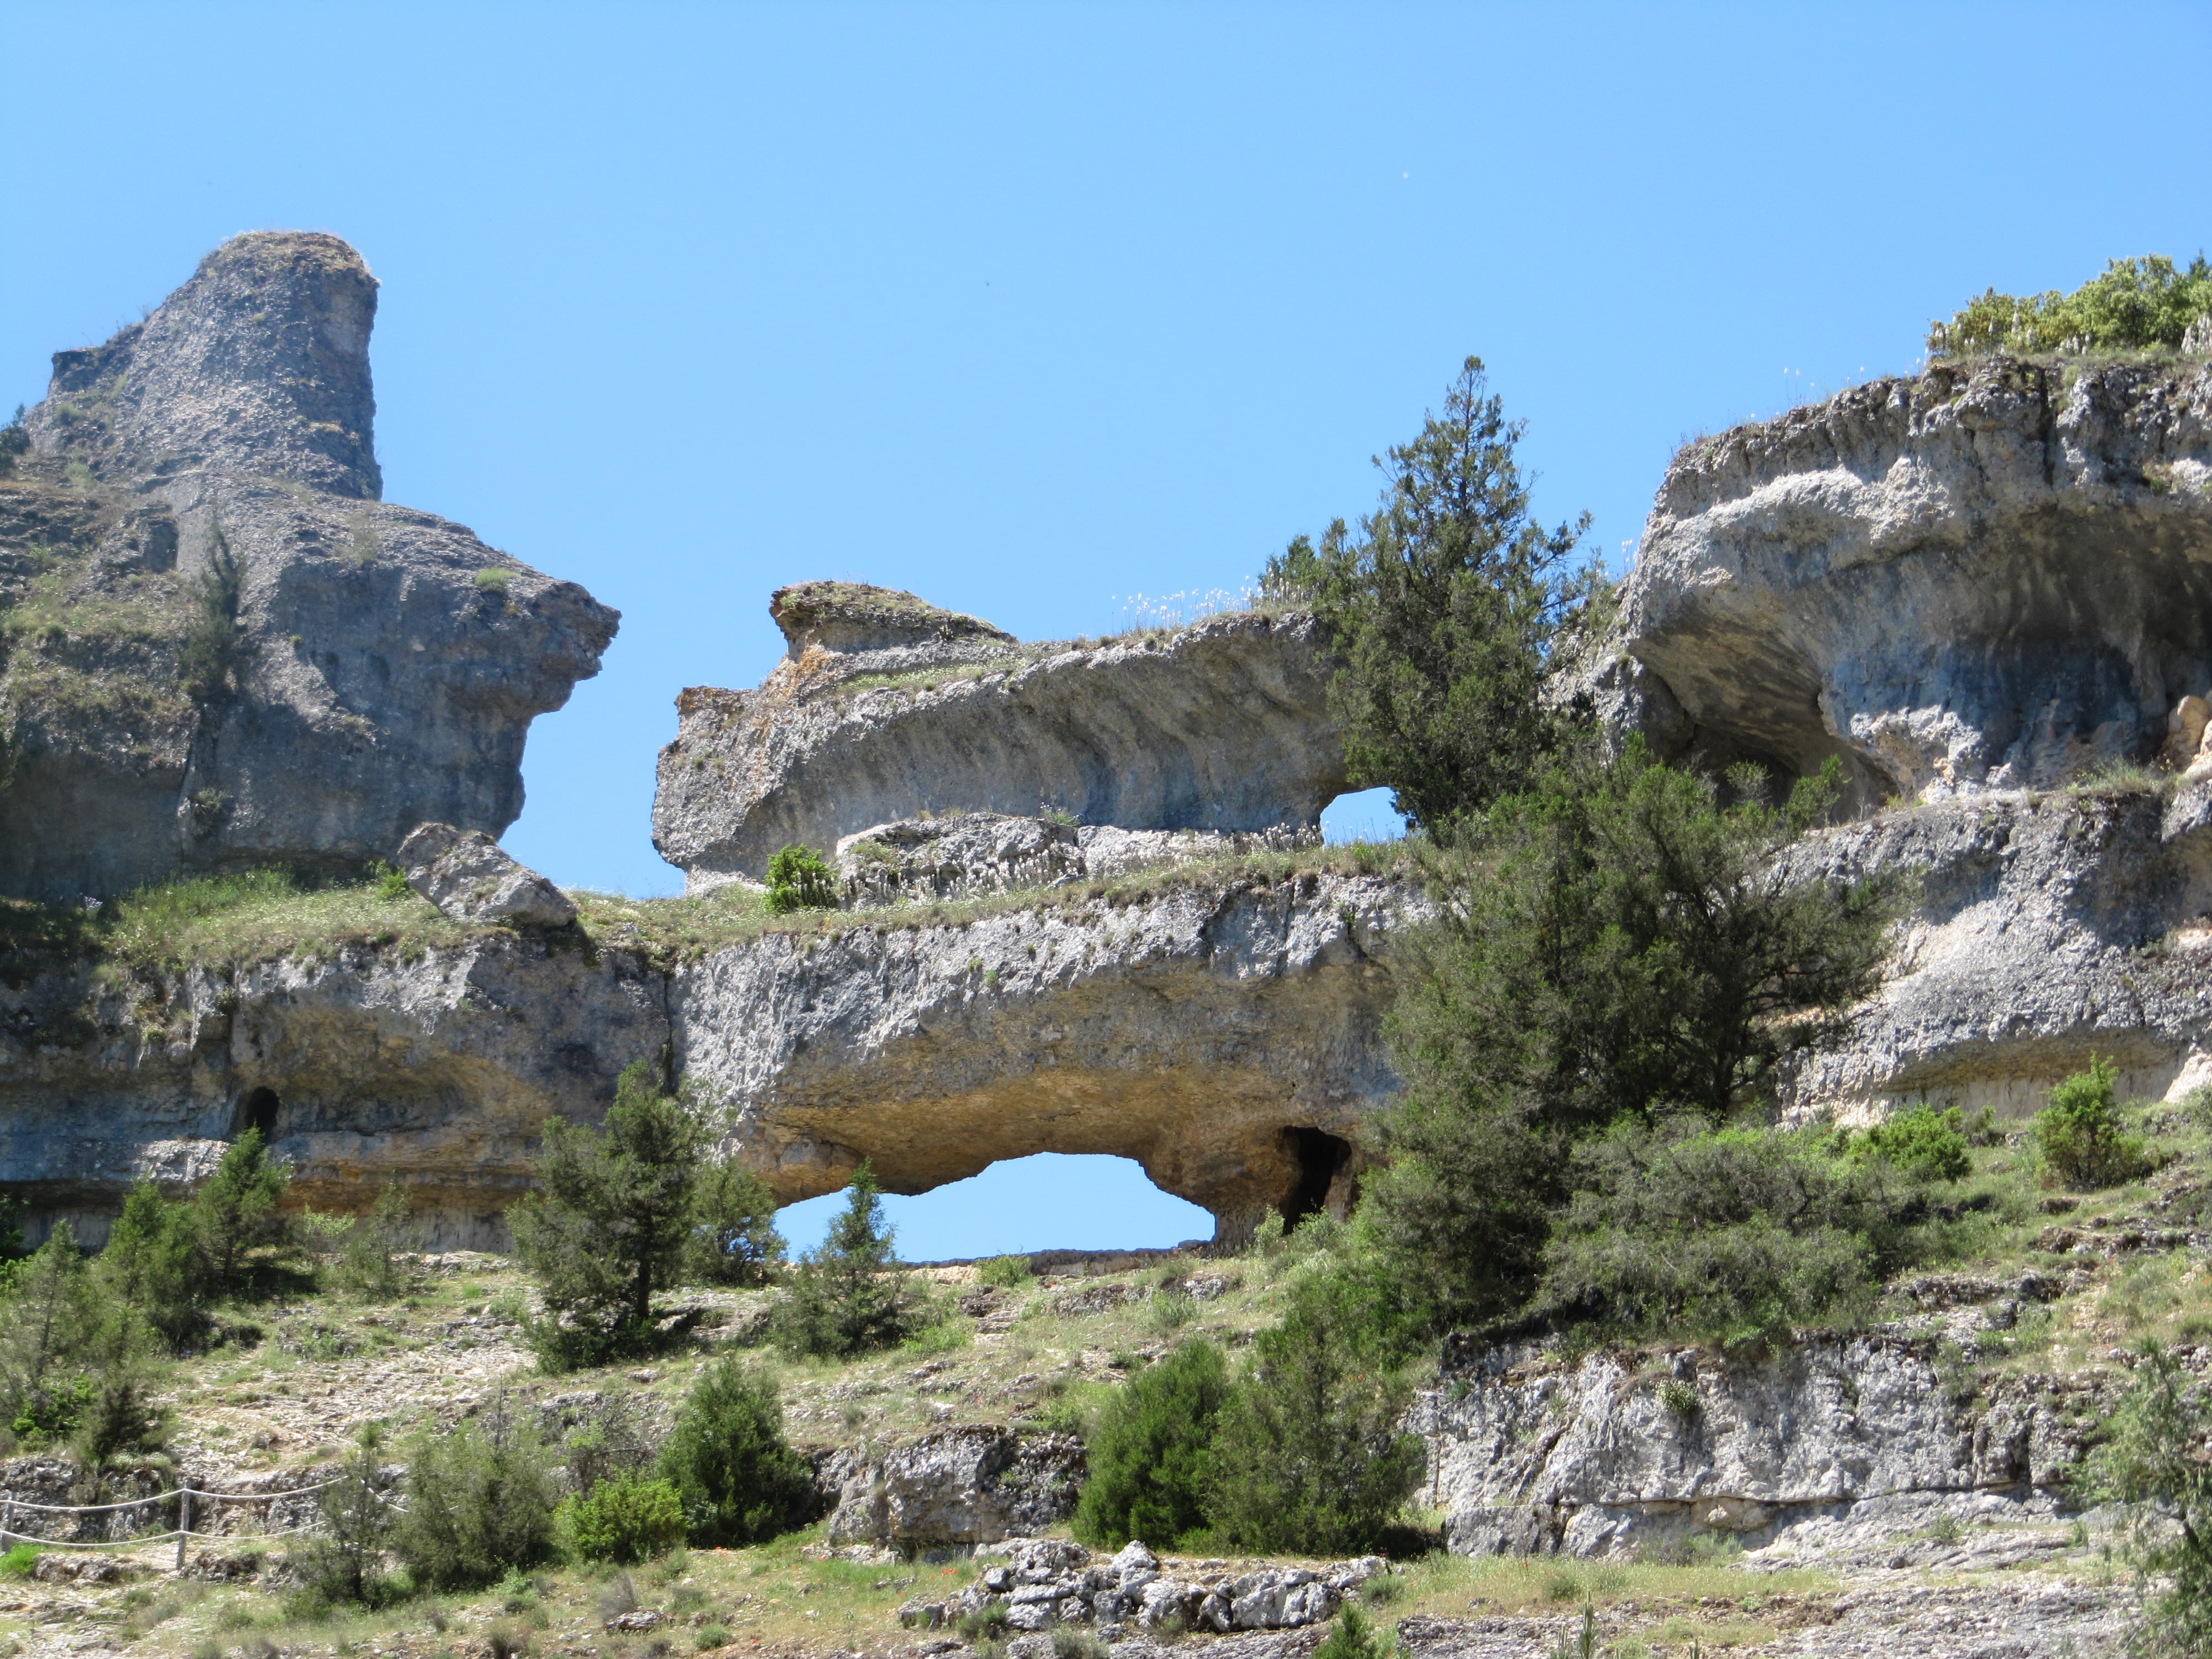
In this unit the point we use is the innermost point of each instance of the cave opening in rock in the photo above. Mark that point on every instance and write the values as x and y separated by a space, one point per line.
257 1109
1321 1156
1018 1206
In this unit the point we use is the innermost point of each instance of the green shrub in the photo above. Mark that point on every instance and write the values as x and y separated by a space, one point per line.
2079 1134
19 1560
1007 1271
1308 1458
1352 1636
368 1263
2153 1459
740 1481
798 880
627 1520
1147 1454
235 1213
1922 1142
151 1265
1733 1231
2135 304
847 1296
214 642
480 1500
345 1562
493 578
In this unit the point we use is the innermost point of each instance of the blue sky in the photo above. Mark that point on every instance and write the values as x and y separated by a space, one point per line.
1033 308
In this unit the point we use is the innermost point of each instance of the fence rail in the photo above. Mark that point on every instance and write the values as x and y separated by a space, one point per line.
184 1494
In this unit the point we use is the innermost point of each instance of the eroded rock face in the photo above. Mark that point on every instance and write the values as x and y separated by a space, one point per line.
259 364
974 853
1994 576
1838 1443
1229 1041
360 1066
971 1484
1227 1037
385 664
1221 726
2045 928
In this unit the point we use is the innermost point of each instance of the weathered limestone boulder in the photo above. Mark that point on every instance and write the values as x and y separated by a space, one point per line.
377 667
470 877
972 1485
1533 1457
1223 726
1993 577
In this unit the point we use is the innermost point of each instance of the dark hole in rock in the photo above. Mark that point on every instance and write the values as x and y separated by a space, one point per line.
1320 1155
257 1109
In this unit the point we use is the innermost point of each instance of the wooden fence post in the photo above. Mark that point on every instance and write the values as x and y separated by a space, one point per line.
184 1520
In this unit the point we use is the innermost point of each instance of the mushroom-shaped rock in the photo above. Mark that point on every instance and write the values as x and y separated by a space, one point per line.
470 877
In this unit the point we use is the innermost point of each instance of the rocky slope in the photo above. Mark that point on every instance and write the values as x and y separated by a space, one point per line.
1223 726
1992 576
373 667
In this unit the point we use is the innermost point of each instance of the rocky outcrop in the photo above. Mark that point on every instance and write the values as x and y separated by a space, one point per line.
1223 726
972 1485
1995 576
362 1064
2043 928
1227 1037
223 649
1838 1444
1043 1584
470 877
1225 1034
977 853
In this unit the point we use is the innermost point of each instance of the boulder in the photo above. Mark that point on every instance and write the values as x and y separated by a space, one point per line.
1223 725
470 877
1995 575
970 1485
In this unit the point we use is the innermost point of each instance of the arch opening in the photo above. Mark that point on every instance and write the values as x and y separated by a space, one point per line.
257 1109
1361 815
1020 1205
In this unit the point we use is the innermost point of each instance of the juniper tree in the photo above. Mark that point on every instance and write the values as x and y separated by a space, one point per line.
846 1295
612 1221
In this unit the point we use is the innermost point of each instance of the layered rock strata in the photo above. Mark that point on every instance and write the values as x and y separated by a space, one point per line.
1995 576
225 649
1223 726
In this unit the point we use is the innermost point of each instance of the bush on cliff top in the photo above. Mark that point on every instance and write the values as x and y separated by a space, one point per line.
2134 305
798 880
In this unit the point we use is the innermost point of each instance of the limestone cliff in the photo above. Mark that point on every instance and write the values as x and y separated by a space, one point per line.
1222 1029
1995 575
1223 726
210 475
